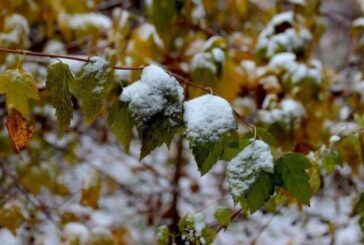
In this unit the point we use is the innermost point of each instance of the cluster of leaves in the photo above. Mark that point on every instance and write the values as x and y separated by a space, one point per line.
280 74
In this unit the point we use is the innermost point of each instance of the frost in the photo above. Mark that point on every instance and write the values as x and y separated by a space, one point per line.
150 95
84 21
208 118
245 168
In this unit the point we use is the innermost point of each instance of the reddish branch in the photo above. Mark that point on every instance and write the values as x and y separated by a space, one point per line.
139 68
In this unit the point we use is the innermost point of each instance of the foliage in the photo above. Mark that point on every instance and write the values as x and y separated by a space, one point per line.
261 116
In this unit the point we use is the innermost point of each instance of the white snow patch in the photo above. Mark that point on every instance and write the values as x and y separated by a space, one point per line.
148 96
244 169
208 117
83 21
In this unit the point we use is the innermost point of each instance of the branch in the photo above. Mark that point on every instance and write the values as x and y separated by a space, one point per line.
139 68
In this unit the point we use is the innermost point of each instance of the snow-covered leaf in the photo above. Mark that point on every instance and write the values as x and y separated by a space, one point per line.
244 170
210 128
156 105
91 85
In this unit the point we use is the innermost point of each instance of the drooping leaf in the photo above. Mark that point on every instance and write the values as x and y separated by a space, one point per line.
121 124
20 131
91 85
156 106
157 132
260 191
210 128
208 153
19 87
292 168
245 169
223 216
59 79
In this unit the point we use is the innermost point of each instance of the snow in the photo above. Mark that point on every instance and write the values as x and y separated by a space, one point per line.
218 55
282 18
208 118
289 111
359 22
16 22
147 31
290 39
294 71
55 47
198 12
151 94
203 61
334 139
74 231
282 61
299 2
83 21
96 65
244 169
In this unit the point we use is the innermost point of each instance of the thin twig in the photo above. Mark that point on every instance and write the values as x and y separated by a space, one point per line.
139 68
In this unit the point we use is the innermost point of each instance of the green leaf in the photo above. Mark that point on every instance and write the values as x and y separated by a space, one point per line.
157 132
223 216
19 88
208 234
245 169
292 167
331 159
59 79
208 153
156 105
210 128
91 86
121 124
163 235
260 191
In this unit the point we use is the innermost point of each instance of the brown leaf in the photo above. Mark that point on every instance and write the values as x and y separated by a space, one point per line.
20 131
